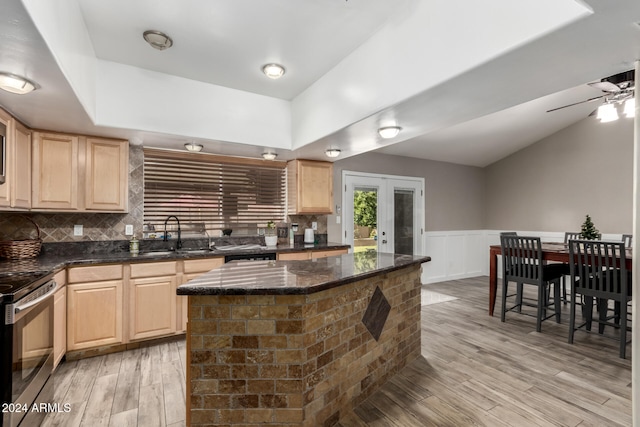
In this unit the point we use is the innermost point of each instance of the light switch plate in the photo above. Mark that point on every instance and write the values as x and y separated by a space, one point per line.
314 225
77 230
128 230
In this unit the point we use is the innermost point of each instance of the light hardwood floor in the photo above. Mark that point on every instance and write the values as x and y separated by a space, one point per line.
475 371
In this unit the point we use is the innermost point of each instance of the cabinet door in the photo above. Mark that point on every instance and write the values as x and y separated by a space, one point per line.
59 325
313 183
107 174
192 270
55 171
5 188
153 306
21 176
94 314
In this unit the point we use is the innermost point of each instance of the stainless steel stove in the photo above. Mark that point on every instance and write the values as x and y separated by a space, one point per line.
26 340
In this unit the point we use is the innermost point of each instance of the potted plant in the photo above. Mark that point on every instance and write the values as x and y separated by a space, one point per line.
588 230
270 236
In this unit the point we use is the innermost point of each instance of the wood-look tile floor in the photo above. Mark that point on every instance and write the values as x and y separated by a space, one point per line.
474 371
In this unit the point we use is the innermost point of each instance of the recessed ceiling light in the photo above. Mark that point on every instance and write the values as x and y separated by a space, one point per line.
273 71
157 39
16 84
269 156
332 152
192 146
388 132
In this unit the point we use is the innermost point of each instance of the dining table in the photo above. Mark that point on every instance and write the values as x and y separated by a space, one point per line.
551 251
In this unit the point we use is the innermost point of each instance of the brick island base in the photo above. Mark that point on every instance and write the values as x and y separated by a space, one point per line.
298 360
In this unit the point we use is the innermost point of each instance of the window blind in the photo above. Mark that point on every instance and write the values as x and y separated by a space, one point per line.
213 192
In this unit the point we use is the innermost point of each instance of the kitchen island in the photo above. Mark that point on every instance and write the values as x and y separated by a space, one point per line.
298 342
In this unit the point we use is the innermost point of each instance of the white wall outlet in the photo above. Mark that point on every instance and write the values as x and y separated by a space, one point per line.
77 230
314 225
128 230
337 219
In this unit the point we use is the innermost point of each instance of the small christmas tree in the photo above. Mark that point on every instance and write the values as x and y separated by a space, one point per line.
589 231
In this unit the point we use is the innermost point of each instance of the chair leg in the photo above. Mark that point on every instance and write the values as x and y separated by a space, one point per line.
505 287
542 290
587 311
623 330
556 300
572 317
519 296
564 289
602 307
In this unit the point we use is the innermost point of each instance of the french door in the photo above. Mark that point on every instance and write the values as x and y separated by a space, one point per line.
383 213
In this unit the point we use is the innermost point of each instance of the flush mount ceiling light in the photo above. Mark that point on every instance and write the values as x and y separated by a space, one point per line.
16 84
332 152
388 132
273 71
157 39
193 147
269 156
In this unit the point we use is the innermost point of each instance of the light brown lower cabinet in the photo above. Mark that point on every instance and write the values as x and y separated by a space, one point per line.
59 324
292 256
94 314
152 310
192 270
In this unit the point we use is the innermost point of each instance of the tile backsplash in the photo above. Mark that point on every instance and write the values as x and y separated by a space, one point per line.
58 227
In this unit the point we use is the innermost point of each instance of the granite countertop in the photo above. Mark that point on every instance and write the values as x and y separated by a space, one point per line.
52 260
295 277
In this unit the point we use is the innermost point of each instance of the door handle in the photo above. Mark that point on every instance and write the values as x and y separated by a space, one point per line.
384 241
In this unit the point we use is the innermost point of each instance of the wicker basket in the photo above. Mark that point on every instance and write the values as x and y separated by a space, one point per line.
22 249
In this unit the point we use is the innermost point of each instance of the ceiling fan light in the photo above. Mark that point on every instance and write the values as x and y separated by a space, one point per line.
332 152
273 71
269 156
193 147
607 113
630 108
389 132
16 84
157 39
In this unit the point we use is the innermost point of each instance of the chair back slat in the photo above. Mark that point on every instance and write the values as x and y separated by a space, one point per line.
522 258
600 268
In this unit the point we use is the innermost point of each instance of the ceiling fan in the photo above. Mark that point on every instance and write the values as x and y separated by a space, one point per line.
617 88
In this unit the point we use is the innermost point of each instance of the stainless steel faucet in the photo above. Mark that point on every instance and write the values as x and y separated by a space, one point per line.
179 242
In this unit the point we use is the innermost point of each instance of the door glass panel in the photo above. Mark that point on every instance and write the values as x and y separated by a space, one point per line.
403 221
365 219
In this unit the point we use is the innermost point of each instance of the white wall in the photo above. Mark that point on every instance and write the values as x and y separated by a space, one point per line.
465 253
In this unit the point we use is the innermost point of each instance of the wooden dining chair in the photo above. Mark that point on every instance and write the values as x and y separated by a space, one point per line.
599 274
522 263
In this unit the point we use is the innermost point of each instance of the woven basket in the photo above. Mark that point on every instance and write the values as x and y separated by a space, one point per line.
21 249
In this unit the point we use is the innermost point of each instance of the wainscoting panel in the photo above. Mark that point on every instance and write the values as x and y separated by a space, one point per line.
459 254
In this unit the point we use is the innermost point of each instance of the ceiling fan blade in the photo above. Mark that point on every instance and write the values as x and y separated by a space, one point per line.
605 86
577 103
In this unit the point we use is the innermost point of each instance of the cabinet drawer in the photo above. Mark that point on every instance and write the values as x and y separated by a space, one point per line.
150 269
202 265
293 256
324 254
61 278
95 273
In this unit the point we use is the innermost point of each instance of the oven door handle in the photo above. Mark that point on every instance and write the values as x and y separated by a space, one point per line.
17 308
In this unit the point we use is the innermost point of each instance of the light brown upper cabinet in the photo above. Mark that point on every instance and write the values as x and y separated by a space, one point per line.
55 171
107 174
310 187
15 193
78 173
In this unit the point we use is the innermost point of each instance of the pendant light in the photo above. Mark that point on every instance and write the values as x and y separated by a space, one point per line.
607 113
